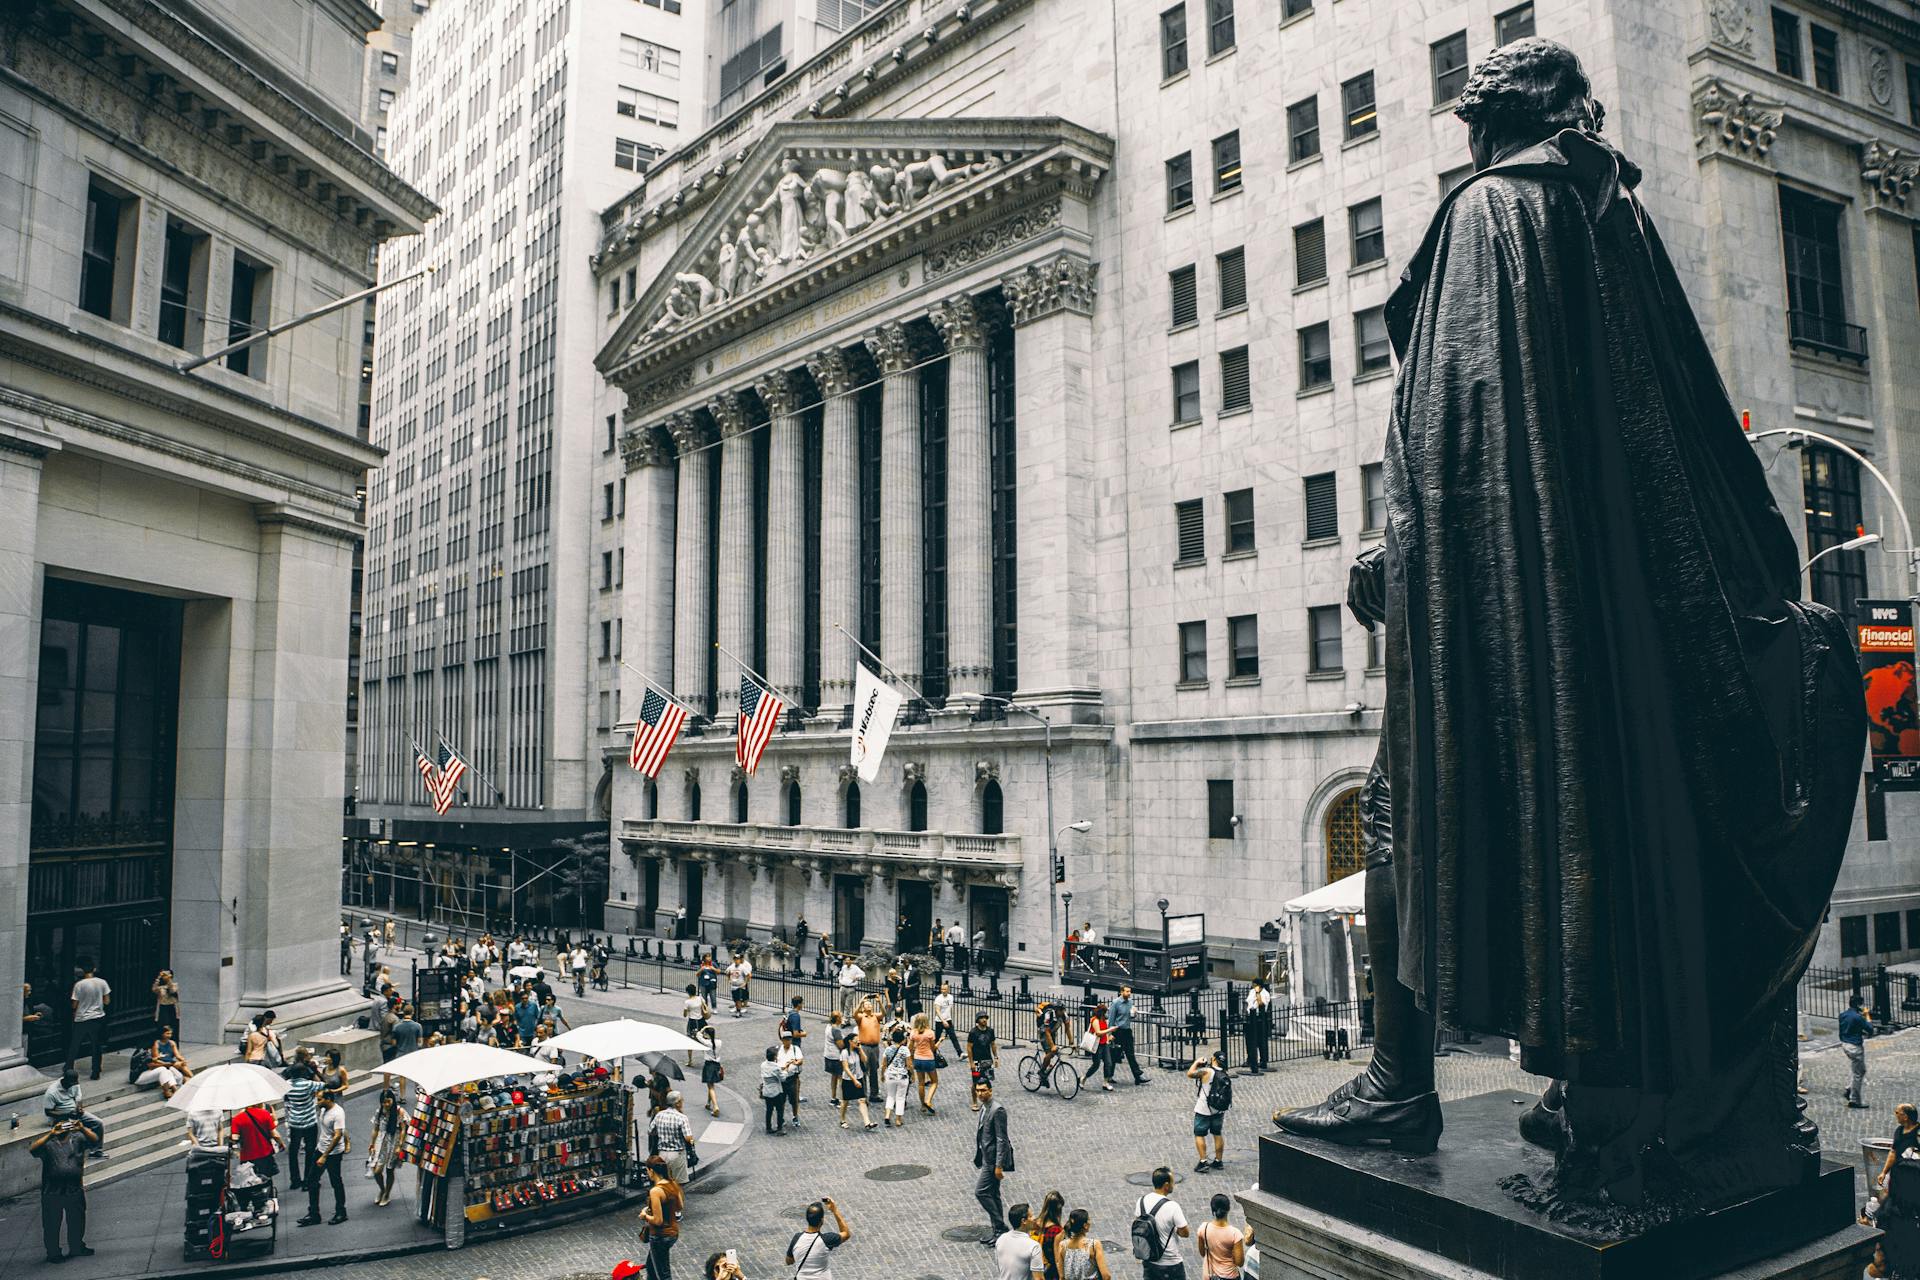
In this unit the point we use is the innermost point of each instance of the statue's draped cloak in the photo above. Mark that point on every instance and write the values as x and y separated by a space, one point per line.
1623 756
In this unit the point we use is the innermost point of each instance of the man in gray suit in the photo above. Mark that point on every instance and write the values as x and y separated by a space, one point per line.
992 1156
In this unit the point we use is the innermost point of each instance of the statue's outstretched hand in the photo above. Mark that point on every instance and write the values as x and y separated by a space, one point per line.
1367 586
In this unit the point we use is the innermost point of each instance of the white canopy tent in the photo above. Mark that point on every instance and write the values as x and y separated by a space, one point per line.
1344 901
446 1065
622 1038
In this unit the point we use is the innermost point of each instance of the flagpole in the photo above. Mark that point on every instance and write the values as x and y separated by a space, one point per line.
662 691
759 679
912 688
477 772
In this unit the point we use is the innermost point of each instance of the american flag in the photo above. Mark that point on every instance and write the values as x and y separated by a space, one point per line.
759 712
446 781
429 771
656 731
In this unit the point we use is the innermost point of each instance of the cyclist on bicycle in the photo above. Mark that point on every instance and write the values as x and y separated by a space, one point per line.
1053 1026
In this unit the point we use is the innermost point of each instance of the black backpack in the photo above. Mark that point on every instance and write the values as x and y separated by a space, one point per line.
1219 1092
1148 1244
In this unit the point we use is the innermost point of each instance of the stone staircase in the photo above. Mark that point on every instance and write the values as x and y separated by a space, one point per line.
141 1130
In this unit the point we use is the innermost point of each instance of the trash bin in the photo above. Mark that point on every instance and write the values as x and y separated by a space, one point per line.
1873 1155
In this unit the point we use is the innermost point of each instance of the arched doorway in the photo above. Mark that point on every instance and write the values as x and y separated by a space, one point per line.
1344 841
992 810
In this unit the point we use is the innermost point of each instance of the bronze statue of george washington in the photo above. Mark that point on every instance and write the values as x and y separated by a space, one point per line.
1620 753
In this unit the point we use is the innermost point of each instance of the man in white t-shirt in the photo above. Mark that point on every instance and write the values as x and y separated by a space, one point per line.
1016 1255
90 998
851 976
1171 1222
739 973
1209 1120
810 1252
578 962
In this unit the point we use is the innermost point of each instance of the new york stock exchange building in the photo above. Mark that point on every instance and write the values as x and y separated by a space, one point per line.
893 356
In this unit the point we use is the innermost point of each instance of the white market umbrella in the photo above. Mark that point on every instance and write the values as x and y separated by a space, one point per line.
523 971
446 1065
623 1038
231 1086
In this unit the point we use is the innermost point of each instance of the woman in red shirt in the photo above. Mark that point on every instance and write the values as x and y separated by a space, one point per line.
1102 1032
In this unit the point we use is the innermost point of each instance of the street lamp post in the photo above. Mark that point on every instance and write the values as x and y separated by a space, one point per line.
1909 550
1053 845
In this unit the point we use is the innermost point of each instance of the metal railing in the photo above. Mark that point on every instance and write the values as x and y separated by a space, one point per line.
1892 999
1826 333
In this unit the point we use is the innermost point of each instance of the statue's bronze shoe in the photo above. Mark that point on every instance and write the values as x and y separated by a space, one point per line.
1412 1126
1540 1123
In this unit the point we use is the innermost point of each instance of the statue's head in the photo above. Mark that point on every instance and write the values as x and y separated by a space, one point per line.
1524 92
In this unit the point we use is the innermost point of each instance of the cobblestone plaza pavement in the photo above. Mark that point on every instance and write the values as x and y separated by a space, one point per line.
908 1192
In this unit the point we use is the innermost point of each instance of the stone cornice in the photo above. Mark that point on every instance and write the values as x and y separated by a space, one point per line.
223 70
275 515
128 374
1875 17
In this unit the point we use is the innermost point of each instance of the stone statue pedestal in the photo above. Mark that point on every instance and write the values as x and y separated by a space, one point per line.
1347 1213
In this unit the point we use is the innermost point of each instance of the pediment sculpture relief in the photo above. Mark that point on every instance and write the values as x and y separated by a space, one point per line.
812 209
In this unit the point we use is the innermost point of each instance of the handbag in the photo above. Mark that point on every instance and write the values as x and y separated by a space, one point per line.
1089 1042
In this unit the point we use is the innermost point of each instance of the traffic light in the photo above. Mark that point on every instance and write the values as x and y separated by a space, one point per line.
1059 869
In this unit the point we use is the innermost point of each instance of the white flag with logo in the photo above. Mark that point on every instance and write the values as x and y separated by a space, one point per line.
875 705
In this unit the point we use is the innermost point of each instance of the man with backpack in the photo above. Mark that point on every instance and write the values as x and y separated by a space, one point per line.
1159 1225
1212 1099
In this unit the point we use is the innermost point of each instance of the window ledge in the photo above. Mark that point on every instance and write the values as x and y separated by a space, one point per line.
1193 684
1301 16
1242 682
1376 671
1229 193
1183 211
1325 388
1188 327
1175 78
1313 543
1201 563
1444 108
1374 375
1372 535
1378 264
1231 311
1372 135
1241 412
1227 52
1304 161
1327 675
1183 424
1250 553
1321 283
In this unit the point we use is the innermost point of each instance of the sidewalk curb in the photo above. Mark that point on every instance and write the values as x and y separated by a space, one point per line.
625 1199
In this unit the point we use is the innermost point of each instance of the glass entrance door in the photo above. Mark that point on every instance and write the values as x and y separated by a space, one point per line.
916 916
849 913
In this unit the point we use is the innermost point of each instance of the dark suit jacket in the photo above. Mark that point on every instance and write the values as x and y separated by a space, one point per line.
991 1145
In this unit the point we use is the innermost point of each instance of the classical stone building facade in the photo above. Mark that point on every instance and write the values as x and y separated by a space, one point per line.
492 557
177 544
1041 352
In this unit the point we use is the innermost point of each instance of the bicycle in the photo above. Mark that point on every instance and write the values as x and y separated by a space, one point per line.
1065 1078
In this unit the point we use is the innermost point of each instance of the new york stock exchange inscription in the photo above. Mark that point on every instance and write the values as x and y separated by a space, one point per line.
818 318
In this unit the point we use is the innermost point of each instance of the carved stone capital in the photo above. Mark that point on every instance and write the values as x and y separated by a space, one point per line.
1888 173
692 775
891 348
913 771
832 371
789 774
1064 282
729 412
777 393
689 433
645 447
1734 121
848 775
985 771
960 324
739 774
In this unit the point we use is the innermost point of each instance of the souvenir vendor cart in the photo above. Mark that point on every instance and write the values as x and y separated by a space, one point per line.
497 1146
232 1209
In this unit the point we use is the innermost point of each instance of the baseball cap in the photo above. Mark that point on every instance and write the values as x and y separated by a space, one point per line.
625 1269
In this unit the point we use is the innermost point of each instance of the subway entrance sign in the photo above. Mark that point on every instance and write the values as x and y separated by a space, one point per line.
1173 963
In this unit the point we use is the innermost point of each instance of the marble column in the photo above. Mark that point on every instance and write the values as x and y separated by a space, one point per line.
839 531
648 599
969 499
762 894
691 640
786 539
278 886
22 449
902 589
1052 302
737 606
